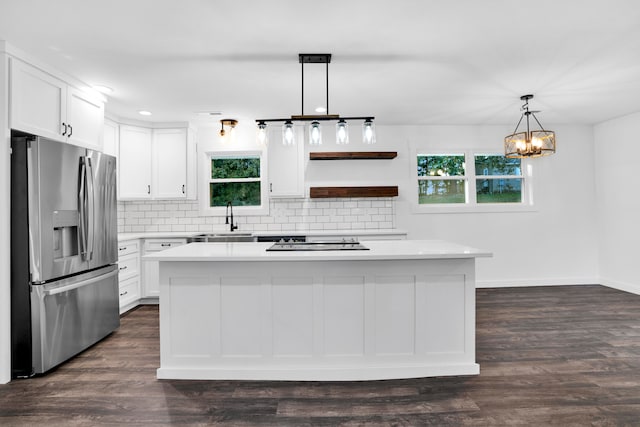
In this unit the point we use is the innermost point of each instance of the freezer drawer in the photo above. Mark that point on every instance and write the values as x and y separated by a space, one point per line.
72 314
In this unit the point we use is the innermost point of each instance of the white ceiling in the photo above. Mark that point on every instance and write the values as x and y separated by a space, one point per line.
402 61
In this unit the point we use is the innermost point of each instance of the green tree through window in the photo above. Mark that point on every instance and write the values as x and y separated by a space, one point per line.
235 180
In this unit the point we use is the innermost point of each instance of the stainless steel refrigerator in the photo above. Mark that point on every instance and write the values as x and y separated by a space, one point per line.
64 273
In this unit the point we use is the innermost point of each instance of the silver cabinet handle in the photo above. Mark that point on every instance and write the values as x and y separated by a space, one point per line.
64 125
182 188
271 187
122 268
70 131
124 293
122 248
165 244
148 189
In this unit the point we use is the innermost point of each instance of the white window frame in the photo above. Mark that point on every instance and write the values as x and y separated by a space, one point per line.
470 177
206 210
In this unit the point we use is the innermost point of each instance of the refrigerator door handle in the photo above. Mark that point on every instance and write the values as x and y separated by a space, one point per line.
91 209
82 208
72 286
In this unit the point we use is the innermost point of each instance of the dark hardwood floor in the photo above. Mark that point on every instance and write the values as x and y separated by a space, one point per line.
564 356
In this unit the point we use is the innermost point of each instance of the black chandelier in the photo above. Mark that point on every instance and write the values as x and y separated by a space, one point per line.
314 129
531 143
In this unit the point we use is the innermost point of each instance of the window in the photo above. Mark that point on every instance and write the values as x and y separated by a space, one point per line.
501 180
489 182
237 177
441 179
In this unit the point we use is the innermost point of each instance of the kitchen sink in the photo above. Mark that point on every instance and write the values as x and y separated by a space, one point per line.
333 245
215 237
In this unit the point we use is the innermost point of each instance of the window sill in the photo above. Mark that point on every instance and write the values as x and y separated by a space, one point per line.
464 208
237 211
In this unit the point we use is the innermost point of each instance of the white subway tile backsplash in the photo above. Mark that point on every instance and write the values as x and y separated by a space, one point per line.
285 215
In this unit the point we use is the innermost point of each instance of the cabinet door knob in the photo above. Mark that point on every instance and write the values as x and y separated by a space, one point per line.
64 132
70 131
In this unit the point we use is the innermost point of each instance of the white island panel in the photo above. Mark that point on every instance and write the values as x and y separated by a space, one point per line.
395 320
343 316
314 317
292 316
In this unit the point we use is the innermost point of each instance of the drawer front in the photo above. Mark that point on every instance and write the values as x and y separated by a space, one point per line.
129 291
128 247
161 245
129 266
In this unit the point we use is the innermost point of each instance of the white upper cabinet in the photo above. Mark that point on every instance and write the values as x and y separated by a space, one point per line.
134 163
44 105
170 163
111 136
85 118
286 166
156 163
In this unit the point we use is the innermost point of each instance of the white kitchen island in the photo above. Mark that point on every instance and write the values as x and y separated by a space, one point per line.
401 309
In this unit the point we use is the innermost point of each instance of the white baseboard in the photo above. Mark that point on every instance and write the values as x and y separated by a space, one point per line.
633 288
537 282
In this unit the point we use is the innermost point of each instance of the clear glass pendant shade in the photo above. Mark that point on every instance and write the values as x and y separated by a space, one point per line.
368 132
342 132
261 133
288 135
315 133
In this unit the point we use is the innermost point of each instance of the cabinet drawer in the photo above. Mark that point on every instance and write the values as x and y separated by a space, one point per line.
129 290
128 247
161 245
129 266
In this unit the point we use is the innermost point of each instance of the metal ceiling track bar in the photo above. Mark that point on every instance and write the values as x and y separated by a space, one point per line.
315 58
318 117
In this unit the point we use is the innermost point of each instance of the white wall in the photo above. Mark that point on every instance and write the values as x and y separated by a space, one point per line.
5 215
617 150
554 244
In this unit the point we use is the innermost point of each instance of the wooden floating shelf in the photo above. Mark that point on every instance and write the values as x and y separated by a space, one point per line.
350 155
331 192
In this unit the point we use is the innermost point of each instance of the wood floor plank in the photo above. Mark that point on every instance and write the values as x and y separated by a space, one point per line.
559 356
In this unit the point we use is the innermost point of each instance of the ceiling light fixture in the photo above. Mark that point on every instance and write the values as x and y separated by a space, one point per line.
229 122
144 113
315 130
532 143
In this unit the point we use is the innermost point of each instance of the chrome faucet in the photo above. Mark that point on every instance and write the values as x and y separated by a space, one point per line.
231 227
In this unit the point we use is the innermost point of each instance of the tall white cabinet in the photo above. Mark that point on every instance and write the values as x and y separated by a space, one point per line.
134 160
286 166
169 160
156 163
44 105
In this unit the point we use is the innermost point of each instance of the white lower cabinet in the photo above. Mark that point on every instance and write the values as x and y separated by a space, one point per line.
129 274
151 279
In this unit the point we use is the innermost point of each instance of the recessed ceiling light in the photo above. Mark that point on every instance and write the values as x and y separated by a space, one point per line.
144 113
209 113
103 89
321 110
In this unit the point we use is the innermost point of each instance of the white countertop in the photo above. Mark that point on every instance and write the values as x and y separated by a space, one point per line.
378 250
185 234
